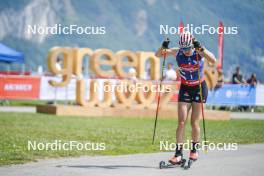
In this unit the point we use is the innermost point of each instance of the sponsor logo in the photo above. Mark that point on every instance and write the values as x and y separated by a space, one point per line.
18 87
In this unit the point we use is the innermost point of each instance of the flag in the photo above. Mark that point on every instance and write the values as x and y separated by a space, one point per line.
220 45
181 26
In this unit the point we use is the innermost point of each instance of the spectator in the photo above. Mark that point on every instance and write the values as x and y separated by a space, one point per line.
237 77
40 70
170 74
147 75
59 63
253 80
132 74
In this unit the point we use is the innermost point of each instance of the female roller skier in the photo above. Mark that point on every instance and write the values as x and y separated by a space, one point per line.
189 94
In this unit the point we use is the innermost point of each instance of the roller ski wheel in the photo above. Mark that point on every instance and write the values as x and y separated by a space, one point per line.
164 165
189 164
193 157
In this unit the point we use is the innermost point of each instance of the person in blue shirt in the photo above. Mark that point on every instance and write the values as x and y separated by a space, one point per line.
190 57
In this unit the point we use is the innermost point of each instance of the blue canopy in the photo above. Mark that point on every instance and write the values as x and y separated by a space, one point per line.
10 55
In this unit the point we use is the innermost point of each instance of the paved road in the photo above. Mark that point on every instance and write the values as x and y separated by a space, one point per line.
18 109
247 160
247 115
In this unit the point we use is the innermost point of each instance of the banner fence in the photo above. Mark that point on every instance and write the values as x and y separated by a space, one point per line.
38 88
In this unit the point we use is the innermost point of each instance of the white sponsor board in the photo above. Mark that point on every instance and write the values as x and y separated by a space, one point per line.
260 95
48 92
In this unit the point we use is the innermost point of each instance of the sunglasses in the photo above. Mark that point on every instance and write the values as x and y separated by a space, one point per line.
186 49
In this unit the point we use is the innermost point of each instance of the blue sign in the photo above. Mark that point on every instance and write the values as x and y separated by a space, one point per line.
233 94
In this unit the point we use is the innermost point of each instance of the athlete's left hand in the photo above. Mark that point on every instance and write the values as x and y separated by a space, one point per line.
197 45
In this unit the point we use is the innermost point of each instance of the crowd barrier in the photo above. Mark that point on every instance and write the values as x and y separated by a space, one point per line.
38 88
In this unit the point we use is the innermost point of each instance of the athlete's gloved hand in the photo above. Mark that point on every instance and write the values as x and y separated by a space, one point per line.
165 43
197 45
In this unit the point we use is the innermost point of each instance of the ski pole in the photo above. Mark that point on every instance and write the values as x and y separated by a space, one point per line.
201 102
158 103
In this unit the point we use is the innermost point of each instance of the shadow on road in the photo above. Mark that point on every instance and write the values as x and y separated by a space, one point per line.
105 167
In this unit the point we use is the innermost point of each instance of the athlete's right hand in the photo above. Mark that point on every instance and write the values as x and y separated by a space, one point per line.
165 43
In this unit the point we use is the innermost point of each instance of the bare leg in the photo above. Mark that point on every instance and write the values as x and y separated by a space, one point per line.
195 118
182 115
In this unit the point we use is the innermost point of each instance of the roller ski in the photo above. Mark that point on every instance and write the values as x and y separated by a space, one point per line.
173 162
193 157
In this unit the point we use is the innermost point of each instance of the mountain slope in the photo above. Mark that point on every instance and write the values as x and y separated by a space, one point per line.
134 25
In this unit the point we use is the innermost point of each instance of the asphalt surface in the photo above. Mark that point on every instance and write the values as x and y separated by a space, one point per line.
247 115
27 109
247 160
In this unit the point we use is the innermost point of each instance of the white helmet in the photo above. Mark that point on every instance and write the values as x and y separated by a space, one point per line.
185 40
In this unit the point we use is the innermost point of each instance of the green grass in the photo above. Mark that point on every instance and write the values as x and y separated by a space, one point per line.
121 135
28 102
23 102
